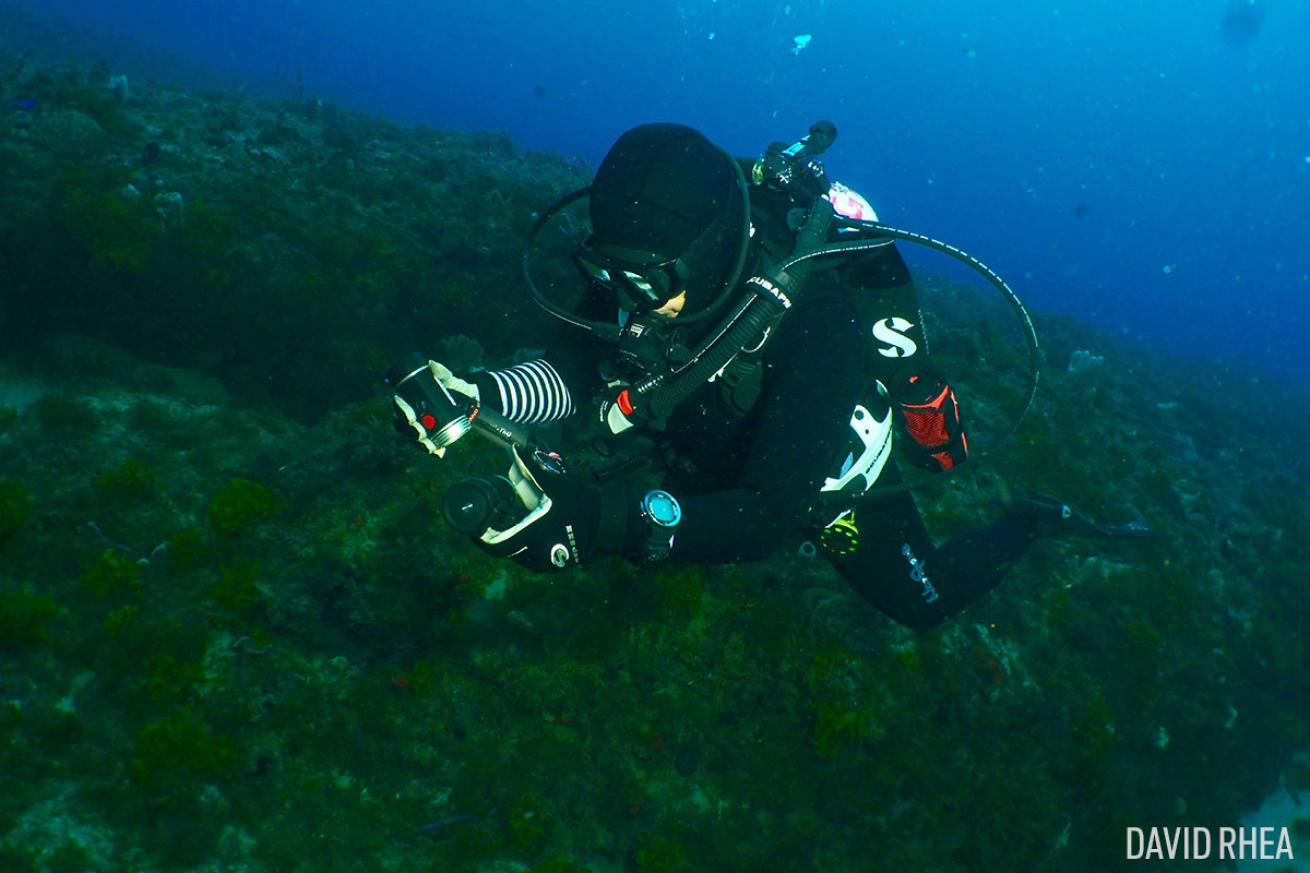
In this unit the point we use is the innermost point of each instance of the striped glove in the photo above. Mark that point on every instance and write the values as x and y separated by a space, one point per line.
528 393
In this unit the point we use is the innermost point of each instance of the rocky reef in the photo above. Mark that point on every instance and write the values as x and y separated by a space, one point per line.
236 635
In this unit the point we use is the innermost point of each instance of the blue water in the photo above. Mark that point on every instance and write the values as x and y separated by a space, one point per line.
1145 166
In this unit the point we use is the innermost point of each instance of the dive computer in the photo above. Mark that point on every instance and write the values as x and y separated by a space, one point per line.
661 514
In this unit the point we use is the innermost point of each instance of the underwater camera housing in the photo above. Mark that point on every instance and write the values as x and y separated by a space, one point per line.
494 507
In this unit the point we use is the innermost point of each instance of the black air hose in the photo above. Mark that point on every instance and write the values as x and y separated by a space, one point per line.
744 327
751 322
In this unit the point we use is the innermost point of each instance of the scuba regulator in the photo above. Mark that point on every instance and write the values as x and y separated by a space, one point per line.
787 167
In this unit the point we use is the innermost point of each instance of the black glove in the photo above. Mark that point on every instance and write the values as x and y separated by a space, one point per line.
556 520
931 417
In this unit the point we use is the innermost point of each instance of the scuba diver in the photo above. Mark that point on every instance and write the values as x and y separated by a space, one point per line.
755 347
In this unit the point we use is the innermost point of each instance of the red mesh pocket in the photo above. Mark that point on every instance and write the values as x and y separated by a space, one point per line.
926 422
936 429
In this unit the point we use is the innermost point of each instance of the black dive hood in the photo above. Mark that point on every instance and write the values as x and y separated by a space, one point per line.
608 330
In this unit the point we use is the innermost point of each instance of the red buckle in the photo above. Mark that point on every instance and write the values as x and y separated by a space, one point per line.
624 400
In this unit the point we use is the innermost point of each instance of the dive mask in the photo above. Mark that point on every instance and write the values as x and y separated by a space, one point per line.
643 281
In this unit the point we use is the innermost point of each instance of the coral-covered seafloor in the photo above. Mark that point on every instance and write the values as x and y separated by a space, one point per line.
236 635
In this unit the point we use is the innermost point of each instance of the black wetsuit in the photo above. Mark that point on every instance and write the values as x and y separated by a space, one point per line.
748 482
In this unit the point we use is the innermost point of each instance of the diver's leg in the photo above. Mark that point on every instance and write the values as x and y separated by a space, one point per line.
896 566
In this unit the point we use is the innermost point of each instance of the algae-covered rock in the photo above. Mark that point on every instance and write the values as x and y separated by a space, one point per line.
270 686
280 248
70 134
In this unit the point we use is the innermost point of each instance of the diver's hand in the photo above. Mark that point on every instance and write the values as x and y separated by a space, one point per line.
557 528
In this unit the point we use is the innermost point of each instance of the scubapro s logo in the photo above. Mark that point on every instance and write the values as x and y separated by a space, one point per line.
892 332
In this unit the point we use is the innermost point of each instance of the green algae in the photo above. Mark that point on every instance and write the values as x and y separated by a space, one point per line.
174 751
241 505
237 590
25 617
15 506
131 481
112 575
